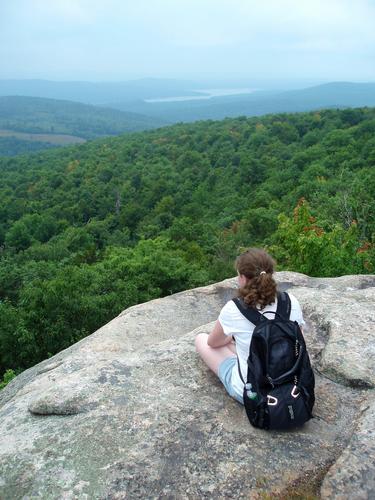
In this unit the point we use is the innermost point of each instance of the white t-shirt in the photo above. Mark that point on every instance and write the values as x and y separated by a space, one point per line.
235 324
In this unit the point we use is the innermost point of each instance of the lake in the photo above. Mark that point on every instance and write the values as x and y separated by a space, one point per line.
207 94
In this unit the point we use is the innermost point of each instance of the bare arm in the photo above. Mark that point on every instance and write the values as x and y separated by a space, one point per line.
217 337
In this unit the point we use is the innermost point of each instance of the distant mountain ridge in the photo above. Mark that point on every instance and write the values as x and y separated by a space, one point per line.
53 119
330 95
97 92
128 111
41 115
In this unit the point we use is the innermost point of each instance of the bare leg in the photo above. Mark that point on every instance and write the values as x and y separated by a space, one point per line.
213 356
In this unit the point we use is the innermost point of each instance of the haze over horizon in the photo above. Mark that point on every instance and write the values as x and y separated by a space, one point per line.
237 40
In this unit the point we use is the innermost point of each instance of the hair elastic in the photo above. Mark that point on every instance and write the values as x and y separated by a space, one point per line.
262 272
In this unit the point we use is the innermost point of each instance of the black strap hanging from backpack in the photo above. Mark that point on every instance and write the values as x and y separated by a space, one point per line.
279 387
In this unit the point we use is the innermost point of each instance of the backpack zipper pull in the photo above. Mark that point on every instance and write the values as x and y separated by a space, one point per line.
270 381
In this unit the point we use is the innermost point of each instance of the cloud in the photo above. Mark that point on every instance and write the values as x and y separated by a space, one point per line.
165 37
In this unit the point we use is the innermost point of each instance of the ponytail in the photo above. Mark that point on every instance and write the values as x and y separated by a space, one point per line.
258 267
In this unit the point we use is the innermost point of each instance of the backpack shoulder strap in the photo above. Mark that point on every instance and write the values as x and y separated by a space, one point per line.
283 305
250 313
254 317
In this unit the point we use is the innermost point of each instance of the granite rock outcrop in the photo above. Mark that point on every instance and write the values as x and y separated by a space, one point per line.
132 412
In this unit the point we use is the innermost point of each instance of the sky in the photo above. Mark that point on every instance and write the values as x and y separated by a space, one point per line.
117 40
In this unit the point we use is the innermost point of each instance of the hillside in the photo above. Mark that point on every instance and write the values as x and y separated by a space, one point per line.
45 119
15 143
90 230
128 108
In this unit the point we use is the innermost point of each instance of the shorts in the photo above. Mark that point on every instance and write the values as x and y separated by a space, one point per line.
225 375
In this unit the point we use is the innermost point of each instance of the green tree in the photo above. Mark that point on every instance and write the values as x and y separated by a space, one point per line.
301 244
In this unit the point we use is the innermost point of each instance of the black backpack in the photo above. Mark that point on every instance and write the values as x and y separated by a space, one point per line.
279 389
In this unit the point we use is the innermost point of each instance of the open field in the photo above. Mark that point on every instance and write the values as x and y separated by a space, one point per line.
58 139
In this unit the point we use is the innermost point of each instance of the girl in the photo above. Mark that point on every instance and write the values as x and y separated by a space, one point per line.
257 288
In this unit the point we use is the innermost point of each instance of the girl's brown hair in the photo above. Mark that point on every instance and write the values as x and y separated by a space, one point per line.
258 266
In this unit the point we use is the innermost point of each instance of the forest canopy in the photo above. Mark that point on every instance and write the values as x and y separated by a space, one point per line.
90 230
